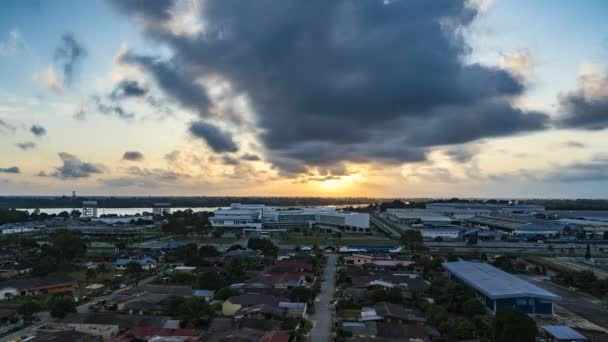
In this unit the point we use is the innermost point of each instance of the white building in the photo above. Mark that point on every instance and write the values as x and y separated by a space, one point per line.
89 208
444 233
159 209
260 216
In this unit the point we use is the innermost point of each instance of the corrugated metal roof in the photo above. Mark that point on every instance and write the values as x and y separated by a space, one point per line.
563 332
494 282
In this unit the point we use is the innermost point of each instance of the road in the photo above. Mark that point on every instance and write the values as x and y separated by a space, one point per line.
384 226
322 319
586 306
567 262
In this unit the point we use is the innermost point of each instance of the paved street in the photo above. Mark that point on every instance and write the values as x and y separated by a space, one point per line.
579 303
322 319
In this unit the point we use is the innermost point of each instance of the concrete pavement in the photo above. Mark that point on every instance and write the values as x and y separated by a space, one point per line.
322 319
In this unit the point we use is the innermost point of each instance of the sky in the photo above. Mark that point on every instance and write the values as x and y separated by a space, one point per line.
388 98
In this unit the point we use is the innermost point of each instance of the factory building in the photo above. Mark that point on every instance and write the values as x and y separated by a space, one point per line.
498 290
160 209
483 208
262 217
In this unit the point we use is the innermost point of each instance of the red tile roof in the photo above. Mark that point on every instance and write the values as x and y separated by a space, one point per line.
145 333
275 336
299 264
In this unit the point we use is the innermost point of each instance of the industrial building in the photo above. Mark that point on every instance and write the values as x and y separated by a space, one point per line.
160 209
483 208
262 217
497 289
445 233
518 227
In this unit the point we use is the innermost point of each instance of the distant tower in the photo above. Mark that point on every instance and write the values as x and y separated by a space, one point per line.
73 194
89 208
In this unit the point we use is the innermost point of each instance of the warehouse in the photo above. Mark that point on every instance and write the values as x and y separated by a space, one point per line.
498 289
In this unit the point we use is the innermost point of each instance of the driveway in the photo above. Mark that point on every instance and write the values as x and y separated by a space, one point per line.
322 319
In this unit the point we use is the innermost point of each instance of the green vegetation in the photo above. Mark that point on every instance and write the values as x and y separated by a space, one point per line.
413 240
192 312
57 256
186 221
513 325
61 305
264 245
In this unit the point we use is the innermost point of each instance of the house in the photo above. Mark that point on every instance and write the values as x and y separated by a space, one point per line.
138 334
36 286
562 333
120 321
205 294
145 303
360 329
391 313
357 295
280 280
234 304
294 265
145 262
358 259
406 332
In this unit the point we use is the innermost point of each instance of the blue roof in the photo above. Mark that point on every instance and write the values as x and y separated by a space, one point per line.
563 332
203 293
495 283
144 261
175 244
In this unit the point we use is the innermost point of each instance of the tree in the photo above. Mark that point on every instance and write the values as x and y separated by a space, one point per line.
605 235
300 294
513 325
264 245
225 293
211 280
28 309
462 327
91 274
133 270
588 252
394 295
412 239
192 312
61 305
102 268
472 307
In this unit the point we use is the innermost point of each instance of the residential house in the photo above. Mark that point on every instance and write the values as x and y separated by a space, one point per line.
294 265
360 329
391 313
234 304
36 286
139 334
145 262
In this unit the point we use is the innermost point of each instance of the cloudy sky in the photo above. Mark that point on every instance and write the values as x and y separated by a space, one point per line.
475 98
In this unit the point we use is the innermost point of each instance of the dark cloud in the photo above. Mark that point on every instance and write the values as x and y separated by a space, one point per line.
145 178
109 109
26 145
133 156
126 89
12 169
6 127
73 167
339 81
217 139
38 130
574 144
228 160
461 154
69 56
250 157
587 106
590 171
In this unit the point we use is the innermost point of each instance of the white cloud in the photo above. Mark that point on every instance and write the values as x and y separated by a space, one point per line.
49 79
521 63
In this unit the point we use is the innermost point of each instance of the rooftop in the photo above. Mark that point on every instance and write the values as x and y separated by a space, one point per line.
494 282
563 332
